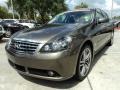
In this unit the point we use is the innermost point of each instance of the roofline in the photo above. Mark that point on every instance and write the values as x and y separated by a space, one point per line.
82 9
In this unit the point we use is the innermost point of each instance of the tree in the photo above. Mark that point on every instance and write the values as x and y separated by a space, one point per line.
82 5
22 7
4 13
49 7
58 6
29 8
116 17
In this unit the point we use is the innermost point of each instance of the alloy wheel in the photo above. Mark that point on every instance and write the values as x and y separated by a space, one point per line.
85 62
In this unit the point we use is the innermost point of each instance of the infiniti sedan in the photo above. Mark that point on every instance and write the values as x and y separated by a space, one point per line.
63 48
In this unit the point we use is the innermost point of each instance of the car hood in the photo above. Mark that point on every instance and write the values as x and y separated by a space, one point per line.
45 32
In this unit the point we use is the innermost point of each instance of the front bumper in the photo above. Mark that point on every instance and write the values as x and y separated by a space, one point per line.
62 63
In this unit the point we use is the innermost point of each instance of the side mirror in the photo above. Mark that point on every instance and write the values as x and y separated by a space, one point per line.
102 20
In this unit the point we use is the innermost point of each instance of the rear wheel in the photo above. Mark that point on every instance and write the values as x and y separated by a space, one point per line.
110 43
84 63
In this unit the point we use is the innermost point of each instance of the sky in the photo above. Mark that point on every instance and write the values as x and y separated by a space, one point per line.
2 2
103 4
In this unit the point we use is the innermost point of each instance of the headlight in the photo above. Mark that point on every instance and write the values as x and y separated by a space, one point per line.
59 45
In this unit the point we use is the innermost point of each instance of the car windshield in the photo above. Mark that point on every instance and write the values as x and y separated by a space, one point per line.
73 17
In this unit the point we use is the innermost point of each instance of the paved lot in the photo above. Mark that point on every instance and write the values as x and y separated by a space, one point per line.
105 74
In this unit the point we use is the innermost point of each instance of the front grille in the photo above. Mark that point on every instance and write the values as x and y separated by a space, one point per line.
22 47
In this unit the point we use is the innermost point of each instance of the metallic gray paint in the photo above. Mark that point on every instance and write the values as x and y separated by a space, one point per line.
63 62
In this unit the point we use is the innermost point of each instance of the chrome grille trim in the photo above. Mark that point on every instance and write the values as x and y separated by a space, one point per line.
23 47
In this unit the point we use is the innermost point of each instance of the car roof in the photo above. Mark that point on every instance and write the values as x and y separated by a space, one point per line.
81 9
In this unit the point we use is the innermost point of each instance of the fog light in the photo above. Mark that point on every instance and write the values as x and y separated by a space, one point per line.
51 73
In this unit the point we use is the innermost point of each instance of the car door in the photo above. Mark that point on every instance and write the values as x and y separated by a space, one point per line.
108 31
99 35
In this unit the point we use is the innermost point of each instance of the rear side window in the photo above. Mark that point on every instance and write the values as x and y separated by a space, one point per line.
99 15
105 15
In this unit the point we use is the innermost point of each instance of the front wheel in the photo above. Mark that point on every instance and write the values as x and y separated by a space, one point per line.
84 63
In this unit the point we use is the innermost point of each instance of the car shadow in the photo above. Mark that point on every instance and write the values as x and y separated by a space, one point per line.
99 55
4 40
54 84
64 84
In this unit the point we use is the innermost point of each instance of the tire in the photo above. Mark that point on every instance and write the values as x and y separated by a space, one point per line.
8 33
84 63
110 43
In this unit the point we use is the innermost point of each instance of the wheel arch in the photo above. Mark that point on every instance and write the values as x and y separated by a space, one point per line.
86 42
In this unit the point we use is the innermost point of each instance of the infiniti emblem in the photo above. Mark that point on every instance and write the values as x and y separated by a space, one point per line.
17 45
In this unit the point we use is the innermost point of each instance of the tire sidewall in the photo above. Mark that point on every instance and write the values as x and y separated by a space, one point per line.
78 76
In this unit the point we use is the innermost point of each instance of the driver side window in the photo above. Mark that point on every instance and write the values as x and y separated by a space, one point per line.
86 18
99 16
